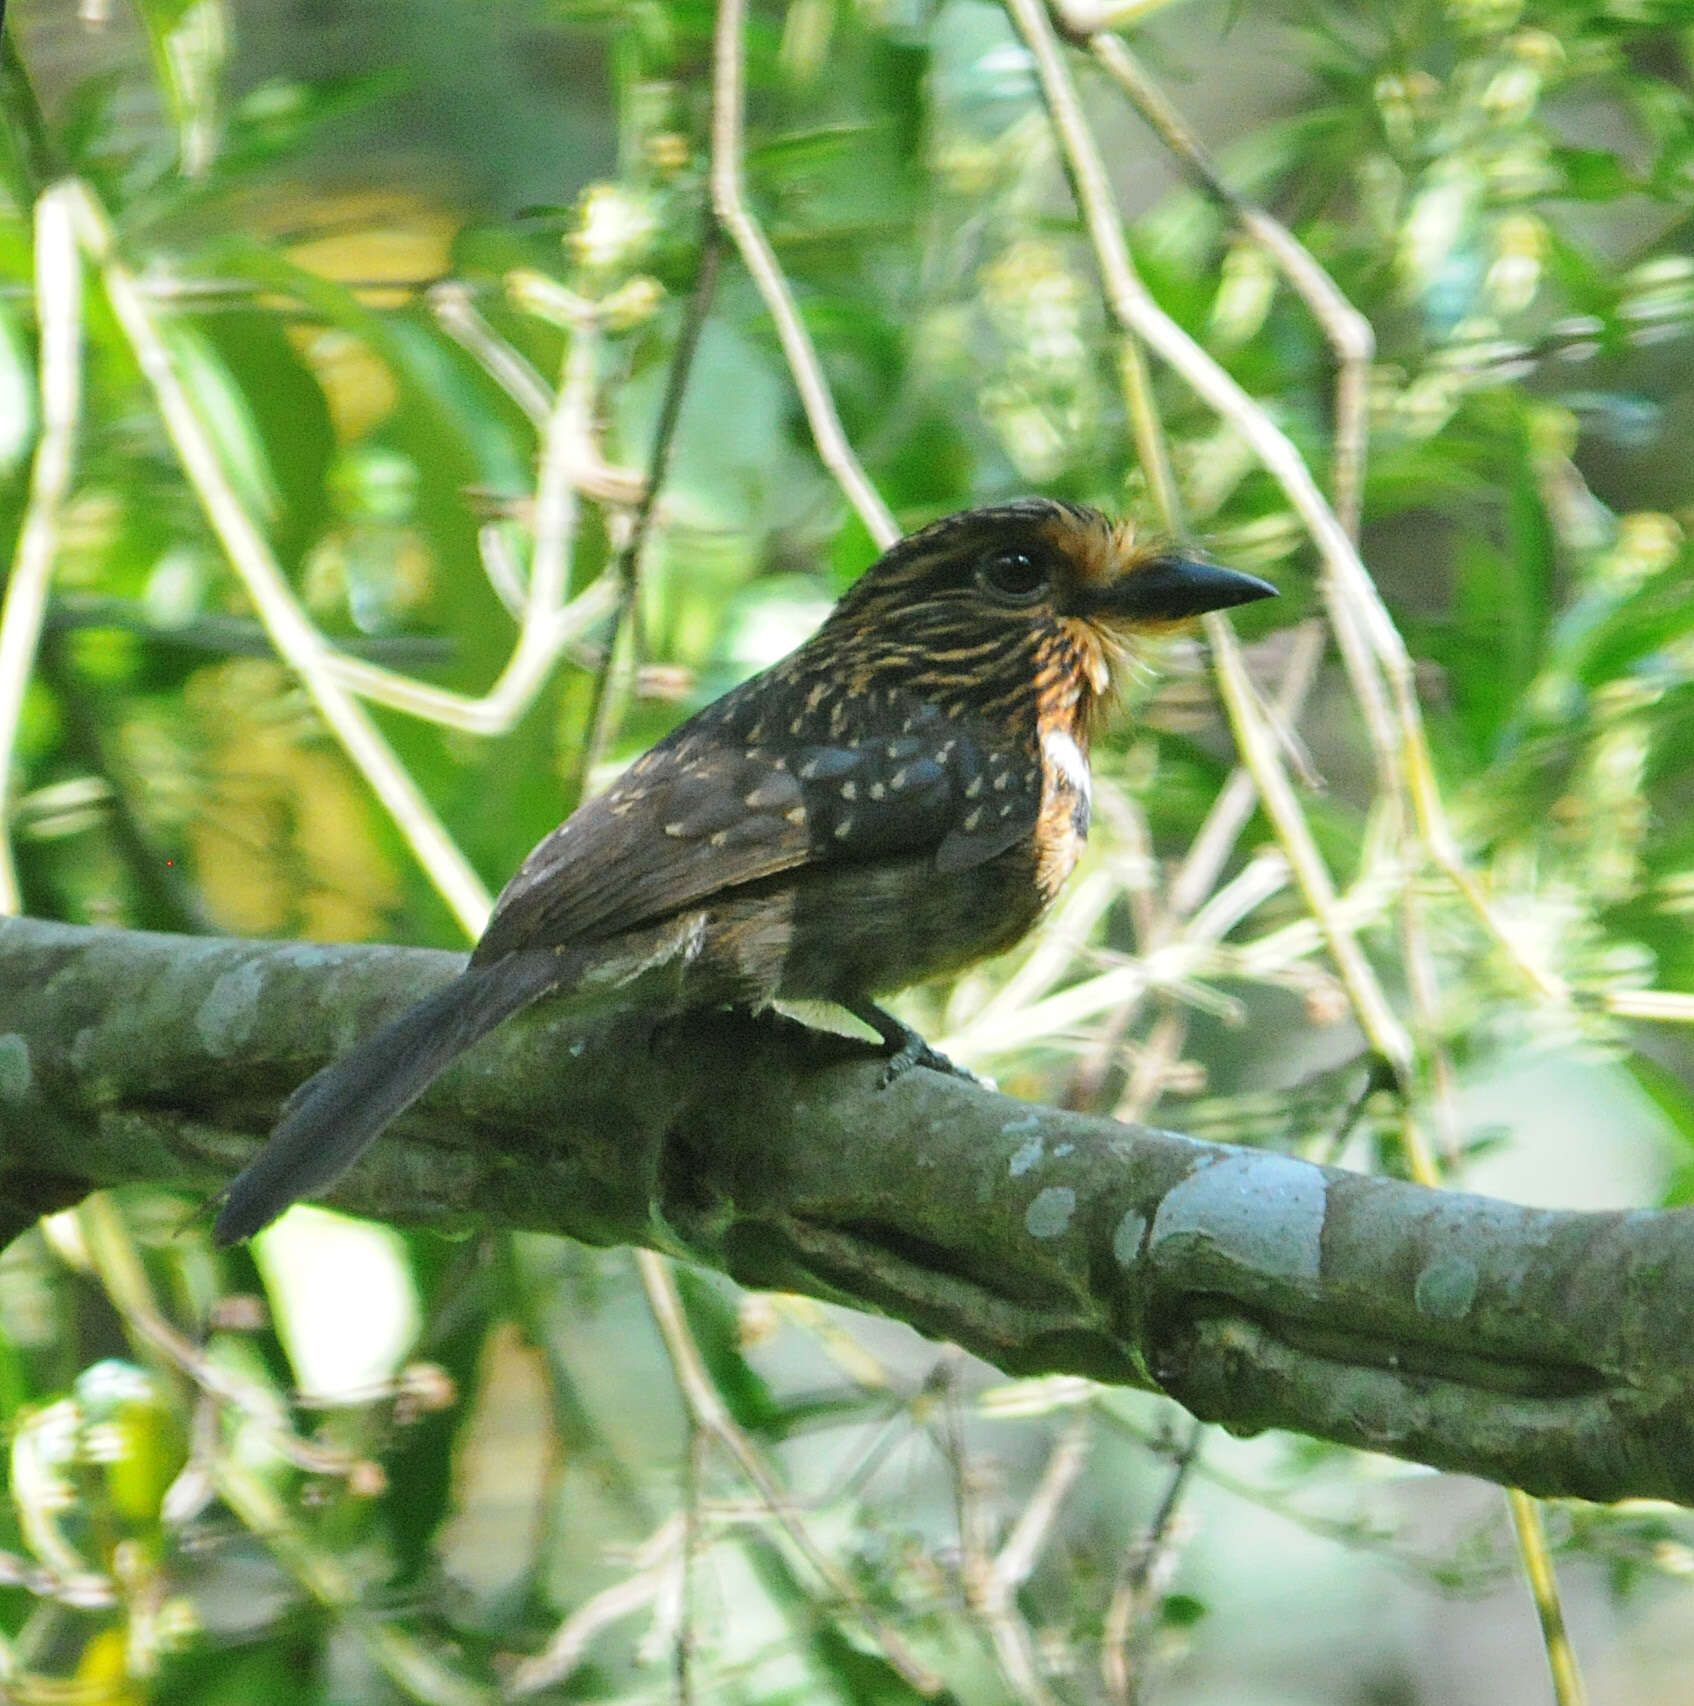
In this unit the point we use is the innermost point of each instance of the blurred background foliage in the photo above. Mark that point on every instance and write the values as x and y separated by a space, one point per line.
355 1464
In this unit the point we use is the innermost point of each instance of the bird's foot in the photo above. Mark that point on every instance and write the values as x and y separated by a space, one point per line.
916 1052
906 1048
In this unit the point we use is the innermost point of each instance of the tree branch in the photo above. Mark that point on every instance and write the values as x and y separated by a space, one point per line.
1553 1351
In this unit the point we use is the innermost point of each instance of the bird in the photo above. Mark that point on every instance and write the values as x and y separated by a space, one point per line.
899 797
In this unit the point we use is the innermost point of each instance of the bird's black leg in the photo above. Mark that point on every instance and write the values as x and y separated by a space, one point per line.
906 1048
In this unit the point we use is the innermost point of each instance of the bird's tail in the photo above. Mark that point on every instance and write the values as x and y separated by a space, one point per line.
334 1116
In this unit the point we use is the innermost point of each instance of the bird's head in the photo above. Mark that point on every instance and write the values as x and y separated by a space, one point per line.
1033 591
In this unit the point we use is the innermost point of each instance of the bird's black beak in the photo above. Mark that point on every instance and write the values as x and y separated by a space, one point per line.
1169 589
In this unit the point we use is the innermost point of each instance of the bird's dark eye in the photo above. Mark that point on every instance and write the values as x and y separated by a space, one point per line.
1015 577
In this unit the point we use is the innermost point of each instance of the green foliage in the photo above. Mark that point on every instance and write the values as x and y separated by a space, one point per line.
1503 187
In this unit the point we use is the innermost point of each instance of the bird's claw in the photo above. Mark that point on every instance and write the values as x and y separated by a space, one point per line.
905 1047
914 1051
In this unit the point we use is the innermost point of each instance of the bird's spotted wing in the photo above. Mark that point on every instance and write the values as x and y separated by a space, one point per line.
938 787
690 818
703 812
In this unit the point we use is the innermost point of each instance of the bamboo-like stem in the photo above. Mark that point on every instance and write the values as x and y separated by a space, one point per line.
1568 1688
58 296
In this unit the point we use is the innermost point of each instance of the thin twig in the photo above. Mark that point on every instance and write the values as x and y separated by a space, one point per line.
1664 1006
1259 751
990 1579
627 573
1348 331
654 1561
1152 451
81 1590
454 307
1209 851
416 1671
123 1277
970 1522
711 1414
498 710
682 1646
1152 1066
1142 1567
1423 987
546 623
1196 877
730 205
1168 969
1357 1534
1015 1562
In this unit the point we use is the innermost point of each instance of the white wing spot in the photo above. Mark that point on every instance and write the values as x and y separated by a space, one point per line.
877 791
844 829
972 821
849 790
973 787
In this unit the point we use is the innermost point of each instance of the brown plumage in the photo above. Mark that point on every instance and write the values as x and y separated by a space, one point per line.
897 798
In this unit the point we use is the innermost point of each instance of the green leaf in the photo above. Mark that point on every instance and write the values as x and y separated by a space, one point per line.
1592 174
190 40
1669 1094
713 1319
1182 1610
18 414
224 407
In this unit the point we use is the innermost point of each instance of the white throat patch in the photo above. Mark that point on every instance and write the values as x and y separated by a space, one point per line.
1061 751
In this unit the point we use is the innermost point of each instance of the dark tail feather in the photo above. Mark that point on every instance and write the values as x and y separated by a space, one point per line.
333 1117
